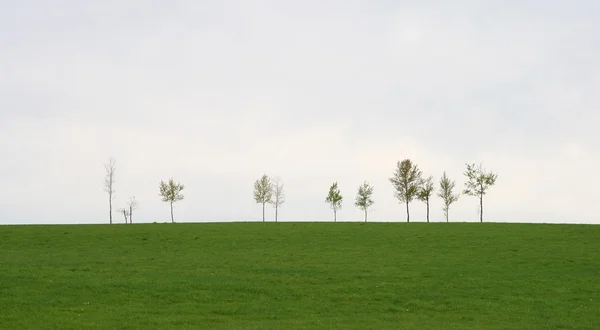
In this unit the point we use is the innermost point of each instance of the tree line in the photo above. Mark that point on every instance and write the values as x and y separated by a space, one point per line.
408 182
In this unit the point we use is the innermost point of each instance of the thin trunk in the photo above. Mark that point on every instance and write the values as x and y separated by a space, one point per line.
427 210
447 211
334 216
481 208
276 207
263 212
365 215
110 207
130 214
407 213
172 220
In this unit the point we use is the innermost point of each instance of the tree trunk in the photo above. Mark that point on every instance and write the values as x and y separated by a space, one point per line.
263 212
427 210
481 208
172 220
447 211
130 214
276 209
407 213
365 215
334 216
110 208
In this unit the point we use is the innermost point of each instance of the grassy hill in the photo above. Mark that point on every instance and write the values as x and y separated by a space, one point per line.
300 275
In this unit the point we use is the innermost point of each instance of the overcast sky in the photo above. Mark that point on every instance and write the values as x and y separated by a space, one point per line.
216 93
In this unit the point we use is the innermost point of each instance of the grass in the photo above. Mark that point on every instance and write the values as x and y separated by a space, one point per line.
300 275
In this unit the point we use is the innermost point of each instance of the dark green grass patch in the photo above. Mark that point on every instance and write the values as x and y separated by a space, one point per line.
300 275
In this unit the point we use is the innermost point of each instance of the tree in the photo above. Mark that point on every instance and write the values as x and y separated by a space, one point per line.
171 192
334 198
133 204
109 182
263 192
125 213
278 195
478 182
406 182
363 198
425 191
446 193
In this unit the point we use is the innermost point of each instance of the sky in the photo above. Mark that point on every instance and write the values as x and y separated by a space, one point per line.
217 93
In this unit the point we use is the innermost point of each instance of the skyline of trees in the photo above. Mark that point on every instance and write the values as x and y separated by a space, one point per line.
407 182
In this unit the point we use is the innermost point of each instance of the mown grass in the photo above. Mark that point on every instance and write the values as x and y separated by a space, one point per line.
300 275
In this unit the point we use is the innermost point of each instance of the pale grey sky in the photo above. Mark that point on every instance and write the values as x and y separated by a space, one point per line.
216 93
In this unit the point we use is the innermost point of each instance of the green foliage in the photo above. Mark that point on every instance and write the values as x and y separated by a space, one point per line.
300 276
406 182
478 180
425 190
334 198
363 197
171 191
447 195
263 190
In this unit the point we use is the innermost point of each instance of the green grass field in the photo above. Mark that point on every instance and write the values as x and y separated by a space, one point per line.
300 275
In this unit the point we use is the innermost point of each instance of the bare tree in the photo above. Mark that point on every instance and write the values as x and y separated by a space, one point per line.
278 195
263 192
406 181
425 191
334 198
363 198
125 213
109 182
171 192
478 182
133 204
446 193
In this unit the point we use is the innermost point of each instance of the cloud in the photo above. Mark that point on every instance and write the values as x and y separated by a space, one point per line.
216 94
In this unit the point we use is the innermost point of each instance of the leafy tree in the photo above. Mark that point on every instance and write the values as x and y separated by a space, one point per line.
406 182
425 191
478 183
334 198
446 193
278 195
109 182
171 192
363 198
263 192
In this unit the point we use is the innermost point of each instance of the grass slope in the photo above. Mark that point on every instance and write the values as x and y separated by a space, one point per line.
300 275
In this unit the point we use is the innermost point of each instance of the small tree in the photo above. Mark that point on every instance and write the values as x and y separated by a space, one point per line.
446 193
263 192
406 181
478 182
425 191
363 198
133 204
278 195
334 198
109 181
171 193
125 213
